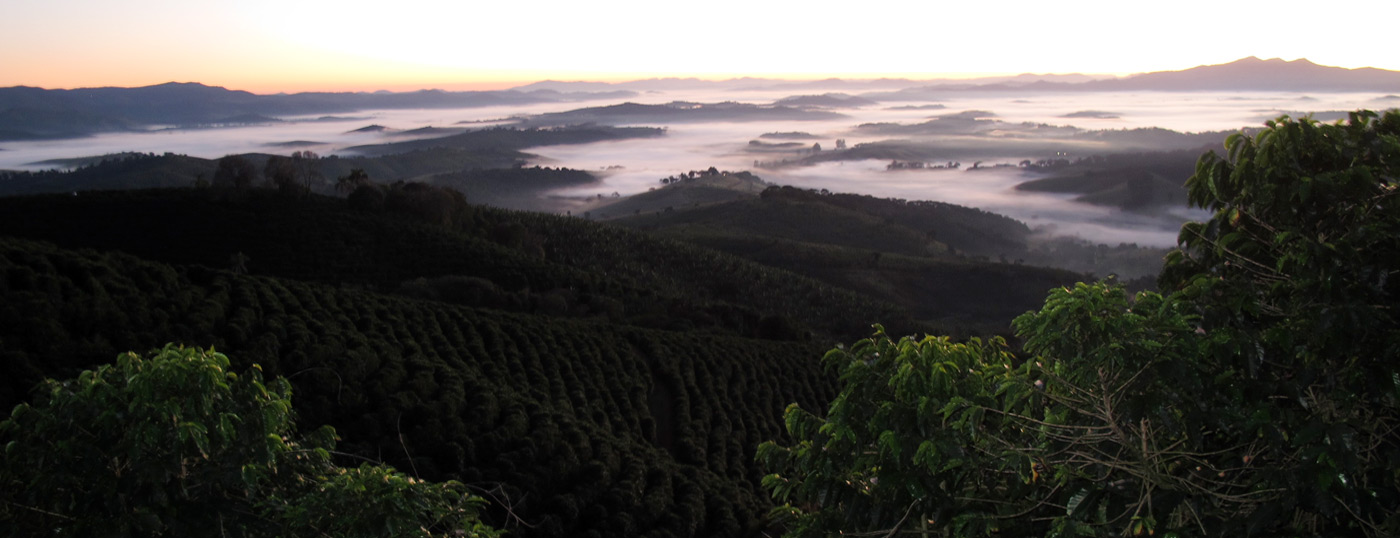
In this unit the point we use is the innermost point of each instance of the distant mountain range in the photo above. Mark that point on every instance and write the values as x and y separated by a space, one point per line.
751 84
1254 74
28 113
1248 74
35 113
676 112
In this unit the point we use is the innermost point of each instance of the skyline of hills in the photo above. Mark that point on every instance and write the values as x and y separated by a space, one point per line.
1254 73
29 113
1245 74
1249 73
35 113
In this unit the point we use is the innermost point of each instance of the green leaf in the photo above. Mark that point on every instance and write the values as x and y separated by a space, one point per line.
1075 500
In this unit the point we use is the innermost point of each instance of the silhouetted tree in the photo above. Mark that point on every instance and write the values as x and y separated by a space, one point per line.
295 174
235 171
354 180
367 197
306 171
281 173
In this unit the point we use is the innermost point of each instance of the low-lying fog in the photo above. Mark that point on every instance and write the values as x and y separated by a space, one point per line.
632 166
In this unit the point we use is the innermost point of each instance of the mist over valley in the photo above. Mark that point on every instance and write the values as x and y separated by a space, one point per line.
968 143
731 270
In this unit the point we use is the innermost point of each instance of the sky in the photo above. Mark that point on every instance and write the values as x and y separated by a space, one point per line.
269 46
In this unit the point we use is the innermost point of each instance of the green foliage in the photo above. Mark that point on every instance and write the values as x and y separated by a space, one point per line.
1260 397
1302 247
961 439
1294 279
179 445
908 444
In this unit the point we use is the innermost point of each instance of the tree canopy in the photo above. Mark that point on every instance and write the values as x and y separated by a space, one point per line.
1259 394
178 445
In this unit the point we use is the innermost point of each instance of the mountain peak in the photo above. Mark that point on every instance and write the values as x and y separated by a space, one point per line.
1276 60
1253 73
1255 60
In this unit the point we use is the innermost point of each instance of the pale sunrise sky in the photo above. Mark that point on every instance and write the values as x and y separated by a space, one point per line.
267 46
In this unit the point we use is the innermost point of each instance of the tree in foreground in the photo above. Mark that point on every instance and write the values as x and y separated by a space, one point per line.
1260 396
178 445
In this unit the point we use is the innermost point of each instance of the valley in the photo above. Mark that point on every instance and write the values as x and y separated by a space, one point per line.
592 302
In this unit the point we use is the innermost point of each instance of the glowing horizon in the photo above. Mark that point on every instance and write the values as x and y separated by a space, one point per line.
265 46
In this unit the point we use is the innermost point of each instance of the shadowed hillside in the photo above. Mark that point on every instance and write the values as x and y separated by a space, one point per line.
570 427
486 165
1133 181
933 259
589 379
523 261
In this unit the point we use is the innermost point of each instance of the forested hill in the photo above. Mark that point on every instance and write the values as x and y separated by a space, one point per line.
512 139
960 268
962 228
458 154
474 255
572 427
